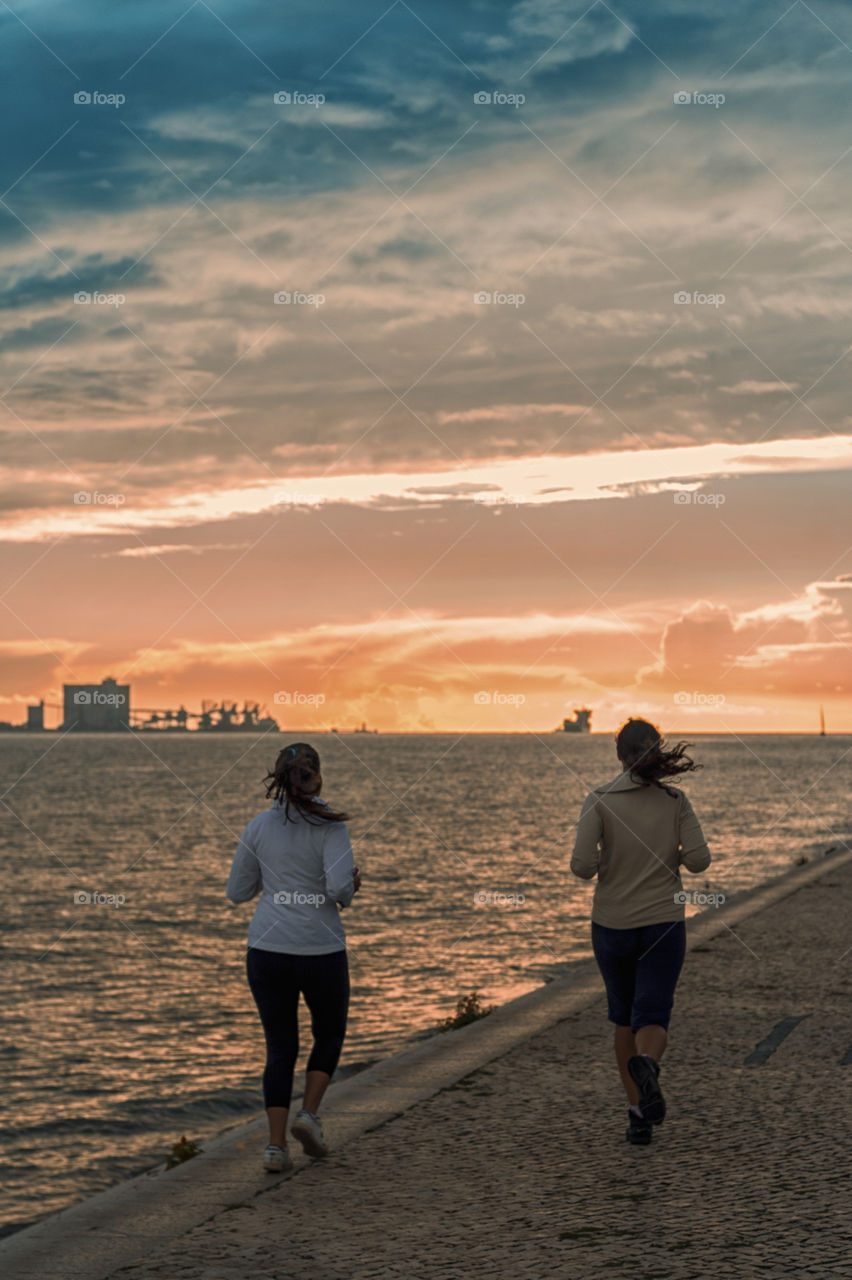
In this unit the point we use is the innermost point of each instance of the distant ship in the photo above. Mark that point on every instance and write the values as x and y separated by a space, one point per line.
582 722
821 723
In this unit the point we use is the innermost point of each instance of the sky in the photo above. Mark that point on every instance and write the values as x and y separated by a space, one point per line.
442 366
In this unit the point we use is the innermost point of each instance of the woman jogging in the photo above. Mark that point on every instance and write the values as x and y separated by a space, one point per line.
297 854
634 834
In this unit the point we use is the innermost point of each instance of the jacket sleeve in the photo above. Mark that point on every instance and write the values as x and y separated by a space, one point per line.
586 855
694 853
338 864
245 880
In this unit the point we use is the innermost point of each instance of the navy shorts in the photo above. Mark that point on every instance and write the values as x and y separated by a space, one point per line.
640 968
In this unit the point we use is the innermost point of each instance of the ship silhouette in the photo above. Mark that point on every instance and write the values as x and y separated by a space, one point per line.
582 722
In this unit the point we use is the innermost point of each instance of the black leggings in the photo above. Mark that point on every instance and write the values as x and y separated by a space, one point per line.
276 978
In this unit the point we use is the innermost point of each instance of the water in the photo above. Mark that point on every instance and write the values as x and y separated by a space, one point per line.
130 1025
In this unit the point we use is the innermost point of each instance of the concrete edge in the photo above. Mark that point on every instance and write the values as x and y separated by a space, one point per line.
92 1239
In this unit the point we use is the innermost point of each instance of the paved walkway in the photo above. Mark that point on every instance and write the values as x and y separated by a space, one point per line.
521 1169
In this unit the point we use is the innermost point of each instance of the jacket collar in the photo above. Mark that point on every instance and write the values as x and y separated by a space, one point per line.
623 782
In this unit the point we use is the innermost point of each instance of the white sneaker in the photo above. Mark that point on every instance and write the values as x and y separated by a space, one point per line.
277 1159
308 1129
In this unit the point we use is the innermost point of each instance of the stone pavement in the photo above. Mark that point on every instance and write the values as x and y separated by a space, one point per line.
521 1169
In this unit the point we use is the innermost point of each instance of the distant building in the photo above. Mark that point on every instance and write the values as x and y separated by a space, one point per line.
103 707
35 716
581 722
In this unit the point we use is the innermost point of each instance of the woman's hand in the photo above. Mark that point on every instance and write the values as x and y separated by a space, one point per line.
356 875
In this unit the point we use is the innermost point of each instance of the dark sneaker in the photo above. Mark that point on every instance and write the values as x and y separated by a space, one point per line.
641 1130
644 1073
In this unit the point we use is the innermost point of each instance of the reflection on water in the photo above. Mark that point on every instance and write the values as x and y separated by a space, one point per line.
129 1022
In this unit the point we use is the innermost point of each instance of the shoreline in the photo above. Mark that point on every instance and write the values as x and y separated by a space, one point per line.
92 1238
424 1036
23 731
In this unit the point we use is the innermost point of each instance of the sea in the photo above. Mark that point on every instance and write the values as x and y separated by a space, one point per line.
128 1022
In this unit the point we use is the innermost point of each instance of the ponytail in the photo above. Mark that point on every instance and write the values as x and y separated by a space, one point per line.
646 757
296 779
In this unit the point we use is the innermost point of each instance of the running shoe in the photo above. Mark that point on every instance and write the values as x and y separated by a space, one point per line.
277 1159
641 1130
644 1073
308 1129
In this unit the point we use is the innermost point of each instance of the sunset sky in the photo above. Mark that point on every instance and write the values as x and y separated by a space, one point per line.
387 497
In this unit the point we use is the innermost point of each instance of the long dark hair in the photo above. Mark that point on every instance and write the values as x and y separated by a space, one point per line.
296 779
646 757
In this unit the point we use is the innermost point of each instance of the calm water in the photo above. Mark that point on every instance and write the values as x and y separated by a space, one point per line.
129 1025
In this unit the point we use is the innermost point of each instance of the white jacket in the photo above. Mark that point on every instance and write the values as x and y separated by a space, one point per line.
303 872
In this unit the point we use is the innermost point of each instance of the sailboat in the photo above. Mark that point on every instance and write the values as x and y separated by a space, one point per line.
821 723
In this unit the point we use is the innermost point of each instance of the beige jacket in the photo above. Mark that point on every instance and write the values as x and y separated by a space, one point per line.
635 837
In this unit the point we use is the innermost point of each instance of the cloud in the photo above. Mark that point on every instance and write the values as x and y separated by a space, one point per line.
398 398
510 413
242 123
175 548
792 647
754 388
525 481
576 30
